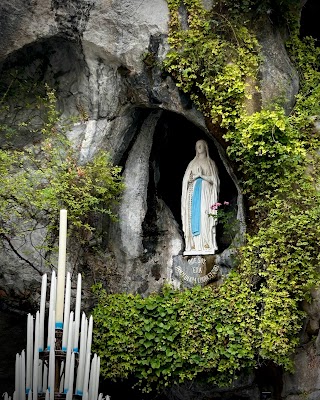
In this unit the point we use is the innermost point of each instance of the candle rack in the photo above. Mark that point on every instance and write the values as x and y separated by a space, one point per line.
65 369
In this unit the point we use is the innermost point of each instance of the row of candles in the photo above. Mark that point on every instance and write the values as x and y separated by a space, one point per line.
51 370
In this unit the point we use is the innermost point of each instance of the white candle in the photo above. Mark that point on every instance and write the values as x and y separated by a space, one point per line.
42 311
47 395
66 314
85 396
92 377
51 372
77 315
36 358
97 375
17 376
45 378
30 395
6 397
61 268
100 396
29 353
88 356
40 376
51 307
71 377
23 375
68 357
82 355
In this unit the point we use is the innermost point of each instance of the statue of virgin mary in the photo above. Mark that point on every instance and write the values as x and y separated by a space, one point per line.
200 190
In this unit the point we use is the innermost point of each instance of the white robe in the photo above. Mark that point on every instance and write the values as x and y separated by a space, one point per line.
205 242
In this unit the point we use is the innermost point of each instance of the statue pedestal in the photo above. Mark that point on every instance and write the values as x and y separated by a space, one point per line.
197 270
198 252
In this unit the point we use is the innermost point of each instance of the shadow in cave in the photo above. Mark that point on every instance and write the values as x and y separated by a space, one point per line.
173 149
309 25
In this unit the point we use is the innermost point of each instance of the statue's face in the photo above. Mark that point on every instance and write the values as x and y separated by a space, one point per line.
200 147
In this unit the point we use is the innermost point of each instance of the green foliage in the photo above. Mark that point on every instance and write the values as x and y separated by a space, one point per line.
170 337
41 178
211 60
255 314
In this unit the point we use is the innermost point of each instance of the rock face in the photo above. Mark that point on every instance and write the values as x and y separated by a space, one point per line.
97 56
102 57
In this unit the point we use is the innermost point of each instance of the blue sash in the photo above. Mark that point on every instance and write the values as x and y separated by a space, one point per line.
196 208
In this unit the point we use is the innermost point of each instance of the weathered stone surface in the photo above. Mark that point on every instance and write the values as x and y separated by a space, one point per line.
133 206
279 79
305 381
244 388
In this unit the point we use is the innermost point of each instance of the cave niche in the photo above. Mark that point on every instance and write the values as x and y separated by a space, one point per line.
173 149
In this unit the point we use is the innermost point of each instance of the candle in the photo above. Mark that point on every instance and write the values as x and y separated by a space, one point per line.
29 353
17 376
42 311
40 376
88 351
92 377
47 395
68 358
51 371
36 358
23 375
96 387
51 307
45 378
82 355
61 268
85 396
30 395
66 314
71 376
77 315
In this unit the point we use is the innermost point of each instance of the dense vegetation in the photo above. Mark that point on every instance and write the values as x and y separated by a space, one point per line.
255 316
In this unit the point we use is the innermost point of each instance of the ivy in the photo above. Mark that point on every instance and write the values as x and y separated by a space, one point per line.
211 59
167 338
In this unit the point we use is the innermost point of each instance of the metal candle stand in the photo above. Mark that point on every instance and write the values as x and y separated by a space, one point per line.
64 365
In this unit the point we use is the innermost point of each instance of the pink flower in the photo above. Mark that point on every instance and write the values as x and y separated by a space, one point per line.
226 203
215 206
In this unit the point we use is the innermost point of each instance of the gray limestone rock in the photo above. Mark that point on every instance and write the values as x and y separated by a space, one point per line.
133 206
279 79
304 383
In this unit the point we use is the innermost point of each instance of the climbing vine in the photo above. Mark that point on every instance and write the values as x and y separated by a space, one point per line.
211 58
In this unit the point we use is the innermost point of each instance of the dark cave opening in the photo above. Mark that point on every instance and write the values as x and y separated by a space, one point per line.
309 25
174 148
